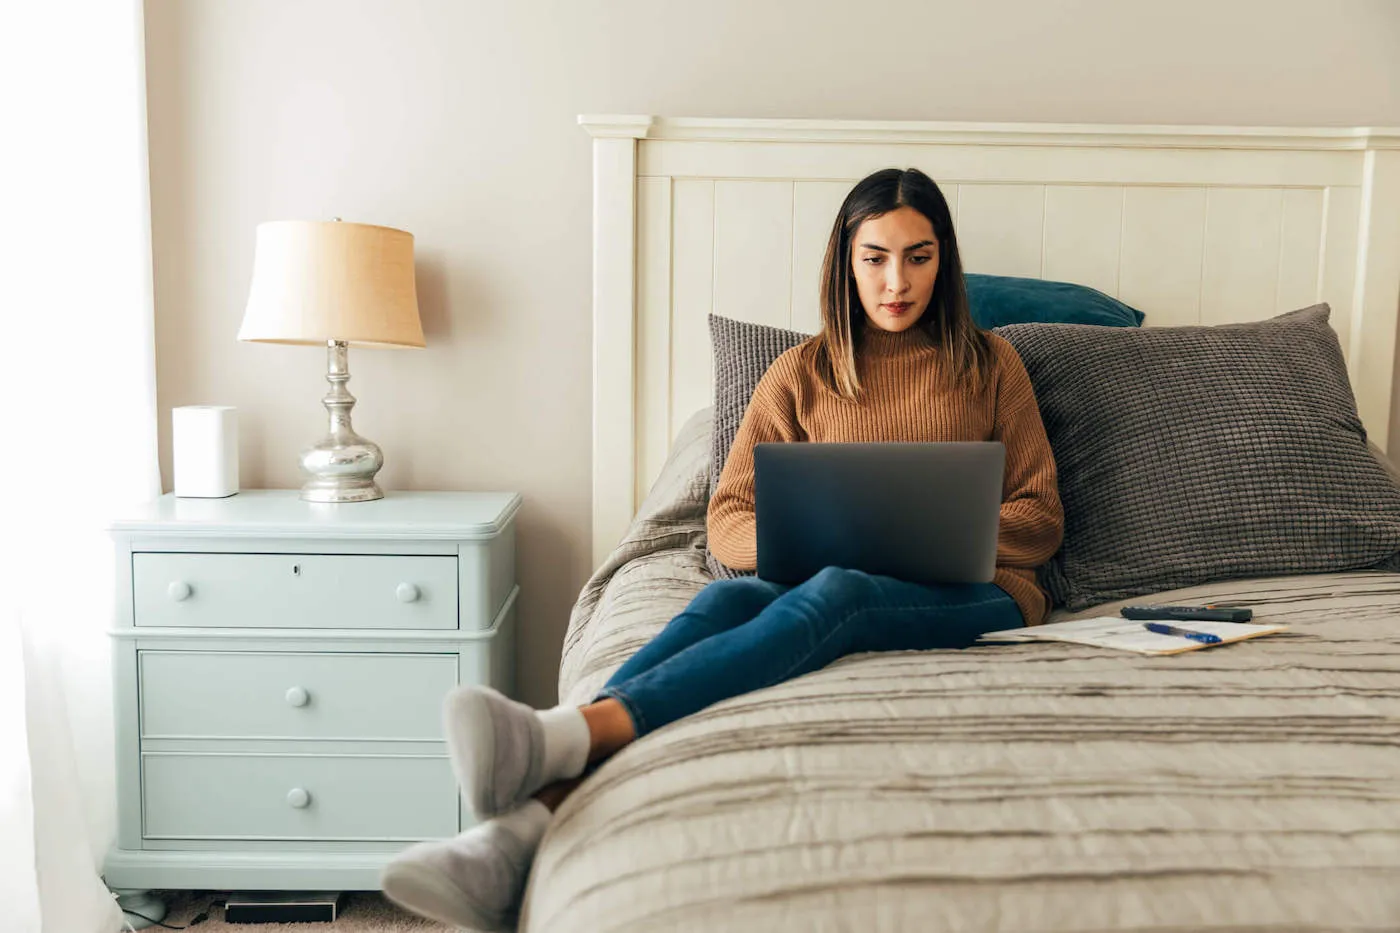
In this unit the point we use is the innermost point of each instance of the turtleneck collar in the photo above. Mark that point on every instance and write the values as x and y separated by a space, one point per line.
883 343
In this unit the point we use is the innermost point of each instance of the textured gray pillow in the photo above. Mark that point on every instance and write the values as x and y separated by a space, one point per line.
1190 454
1391 468
743 352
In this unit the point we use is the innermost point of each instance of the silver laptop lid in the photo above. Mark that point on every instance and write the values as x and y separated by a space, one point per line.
921 512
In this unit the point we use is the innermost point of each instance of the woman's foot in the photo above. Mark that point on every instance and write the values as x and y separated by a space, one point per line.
474 880
503 751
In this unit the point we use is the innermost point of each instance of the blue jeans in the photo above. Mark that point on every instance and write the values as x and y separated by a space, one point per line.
744 634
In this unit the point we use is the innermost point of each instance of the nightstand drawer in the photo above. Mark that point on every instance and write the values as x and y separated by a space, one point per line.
295 590
243 796
223 695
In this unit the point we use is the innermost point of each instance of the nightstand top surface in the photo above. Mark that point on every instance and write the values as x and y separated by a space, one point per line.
283 512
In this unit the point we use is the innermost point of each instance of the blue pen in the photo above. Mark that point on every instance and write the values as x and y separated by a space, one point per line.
1203 637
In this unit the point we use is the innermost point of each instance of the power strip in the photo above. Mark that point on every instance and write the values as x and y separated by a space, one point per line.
283 906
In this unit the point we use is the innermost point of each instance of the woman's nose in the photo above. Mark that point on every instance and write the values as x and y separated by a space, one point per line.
895 280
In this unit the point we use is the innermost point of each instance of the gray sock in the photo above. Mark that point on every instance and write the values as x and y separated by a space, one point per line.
475 879
497 749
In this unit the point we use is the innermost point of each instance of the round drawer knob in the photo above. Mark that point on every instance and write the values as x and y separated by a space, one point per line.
298 798
297 696
179 590
407 593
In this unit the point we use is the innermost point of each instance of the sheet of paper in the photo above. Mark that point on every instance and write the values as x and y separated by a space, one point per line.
1129 635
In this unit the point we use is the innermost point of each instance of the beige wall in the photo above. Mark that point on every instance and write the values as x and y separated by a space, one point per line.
456 121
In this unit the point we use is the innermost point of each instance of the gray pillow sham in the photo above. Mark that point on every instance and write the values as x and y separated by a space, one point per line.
1391 468
1191 454
743 352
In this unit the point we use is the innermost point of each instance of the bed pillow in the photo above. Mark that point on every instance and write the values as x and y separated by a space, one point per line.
1192 454
743 352
1392 469
998 300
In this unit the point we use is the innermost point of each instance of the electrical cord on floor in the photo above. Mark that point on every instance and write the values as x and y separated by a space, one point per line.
200 918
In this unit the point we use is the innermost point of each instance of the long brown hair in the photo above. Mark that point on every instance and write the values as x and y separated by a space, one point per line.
963 348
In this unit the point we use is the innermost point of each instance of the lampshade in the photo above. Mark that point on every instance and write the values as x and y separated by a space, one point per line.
316 281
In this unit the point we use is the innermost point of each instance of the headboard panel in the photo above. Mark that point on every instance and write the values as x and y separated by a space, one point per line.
1188 224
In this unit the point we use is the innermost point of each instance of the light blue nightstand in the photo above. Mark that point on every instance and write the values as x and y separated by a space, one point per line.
280 667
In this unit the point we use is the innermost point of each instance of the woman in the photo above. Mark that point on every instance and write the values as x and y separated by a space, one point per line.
898 359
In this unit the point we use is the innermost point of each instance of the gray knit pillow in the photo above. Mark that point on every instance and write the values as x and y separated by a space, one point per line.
1191 454
743 353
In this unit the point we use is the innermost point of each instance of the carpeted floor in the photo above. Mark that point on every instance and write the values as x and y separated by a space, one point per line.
364 912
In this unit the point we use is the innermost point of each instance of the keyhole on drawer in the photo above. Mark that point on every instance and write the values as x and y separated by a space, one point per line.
296 569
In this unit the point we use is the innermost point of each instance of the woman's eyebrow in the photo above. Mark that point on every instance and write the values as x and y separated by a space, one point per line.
919 245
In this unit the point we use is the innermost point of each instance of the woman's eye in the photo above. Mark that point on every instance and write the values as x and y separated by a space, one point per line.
874 260
918 260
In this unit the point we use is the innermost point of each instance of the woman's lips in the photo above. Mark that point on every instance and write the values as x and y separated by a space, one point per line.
898 307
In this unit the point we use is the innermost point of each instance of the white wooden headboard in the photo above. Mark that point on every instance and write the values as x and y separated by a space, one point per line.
1188 224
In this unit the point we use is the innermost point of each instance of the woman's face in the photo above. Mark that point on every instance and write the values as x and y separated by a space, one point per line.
894 259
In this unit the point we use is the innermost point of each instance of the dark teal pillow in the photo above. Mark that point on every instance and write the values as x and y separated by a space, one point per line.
1003 299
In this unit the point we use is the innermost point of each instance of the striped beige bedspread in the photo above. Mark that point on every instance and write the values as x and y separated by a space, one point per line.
1031 787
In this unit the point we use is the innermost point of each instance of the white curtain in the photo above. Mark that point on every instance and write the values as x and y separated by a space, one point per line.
77 436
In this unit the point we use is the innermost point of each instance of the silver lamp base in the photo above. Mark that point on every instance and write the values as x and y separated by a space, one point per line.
341 465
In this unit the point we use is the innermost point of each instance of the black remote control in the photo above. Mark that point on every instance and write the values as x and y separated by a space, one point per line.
1189 613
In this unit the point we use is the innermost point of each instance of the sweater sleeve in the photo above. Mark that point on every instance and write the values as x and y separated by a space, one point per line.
771 416
1032 518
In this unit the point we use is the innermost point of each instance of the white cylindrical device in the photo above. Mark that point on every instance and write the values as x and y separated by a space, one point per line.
205 450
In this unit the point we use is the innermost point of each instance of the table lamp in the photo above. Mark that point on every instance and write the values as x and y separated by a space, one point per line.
341 285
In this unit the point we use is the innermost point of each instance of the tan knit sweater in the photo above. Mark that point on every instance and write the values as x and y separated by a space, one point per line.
903 401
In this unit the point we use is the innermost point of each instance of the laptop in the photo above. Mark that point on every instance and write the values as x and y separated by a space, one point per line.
919 512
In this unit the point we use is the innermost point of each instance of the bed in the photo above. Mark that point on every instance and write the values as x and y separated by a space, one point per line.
1009 787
